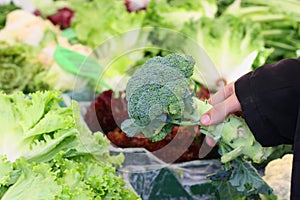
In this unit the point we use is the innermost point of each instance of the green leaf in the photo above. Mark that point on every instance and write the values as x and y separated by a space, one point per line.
36 123
246 179
117 20
227 191
37 180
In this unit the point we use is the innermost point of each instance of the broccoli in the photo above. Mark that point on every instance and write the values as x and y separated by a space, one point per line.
158 93
159 97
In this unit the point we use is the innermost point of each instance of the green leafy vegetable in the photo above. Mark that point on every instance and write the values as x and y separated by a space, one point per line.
46 153
38 180
36 124
238 181
279 21
18 68
231 44
40 128
63 178
112 19
175 13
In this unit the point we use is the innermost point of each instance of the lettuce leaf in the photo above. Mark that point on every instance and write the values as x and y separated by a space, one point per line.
175 13
112 19
239 180
231 44
17 68
40 127
34 125
47 153
62 178
34 182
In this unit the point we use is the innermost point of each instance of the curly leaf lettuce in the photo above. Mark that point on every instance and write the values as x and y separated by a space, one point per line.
47 153
62 178
36 179
40 127
36 124
17 67
175 13
112 19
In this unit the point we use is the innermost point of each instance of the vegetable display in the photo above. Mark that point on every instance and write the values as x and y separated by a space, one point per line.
18 69
279 21
143 45
47 153
37 52
159 97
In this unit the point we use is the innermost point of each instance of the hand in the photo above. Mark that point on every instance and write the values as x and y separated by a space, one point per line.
224 102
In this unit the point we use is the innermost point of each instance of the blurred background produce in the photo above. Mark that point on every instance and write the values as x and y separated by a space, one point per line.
227 38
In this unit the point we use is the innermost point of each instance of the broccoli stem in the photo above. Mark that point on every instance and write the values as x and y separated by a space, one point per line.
233 136
194 118
226 157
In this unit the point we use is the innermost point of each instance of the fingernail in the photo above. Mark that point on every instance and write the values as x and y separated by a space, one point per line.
205 119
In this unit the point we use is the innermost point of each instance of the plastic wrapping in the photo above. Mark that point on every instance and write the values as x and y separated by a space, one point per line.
151 178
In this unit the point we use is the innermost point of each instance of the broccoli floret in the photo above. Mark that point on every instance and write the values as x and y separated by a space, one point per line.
159 100
159 92
185 64
159 97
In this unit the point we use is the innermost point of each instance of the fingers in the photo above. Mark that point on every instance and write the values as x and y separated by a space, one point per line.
210 141
224 102
205 149
222 94
219 112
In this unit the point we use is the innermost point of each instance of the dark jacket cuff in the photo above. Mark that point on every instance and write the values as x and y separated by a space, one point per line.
261 128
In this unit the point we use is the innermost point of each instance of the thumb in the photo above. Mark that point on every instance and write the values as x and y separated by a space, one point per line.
219 112
214 116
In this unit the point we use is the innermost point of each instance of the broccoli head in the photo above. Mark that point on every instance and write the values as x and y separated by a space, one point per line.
157 93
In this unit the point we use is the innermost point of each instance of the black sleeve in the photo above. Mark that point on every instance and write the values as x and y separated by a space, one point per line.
269 98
